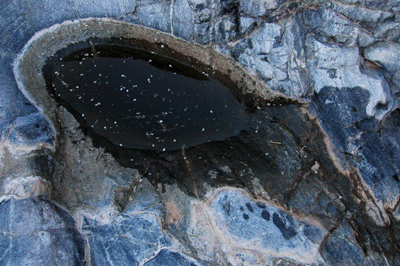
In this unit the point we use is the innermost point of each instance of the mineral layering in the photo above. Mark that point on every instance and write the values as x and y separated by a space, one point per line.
307 173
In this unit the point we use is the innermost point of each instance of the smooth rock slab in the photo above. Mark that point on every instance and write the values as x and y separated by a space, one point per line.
38 232
126 240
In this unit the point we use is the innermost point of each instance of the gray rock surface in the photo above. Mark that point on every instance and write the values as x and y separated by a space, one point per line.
313 180
168 258
38 232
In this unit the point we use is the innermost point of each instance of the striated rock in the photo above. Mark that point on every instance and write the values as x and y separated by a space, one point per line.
154 14
378 163
110 8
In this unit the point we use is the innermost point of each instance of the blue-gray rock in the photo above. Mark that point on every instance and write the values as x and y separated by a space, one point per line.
326 23
250 220
259 8
225 30
277 56
342 248
153 14
20 120
248 232
169 258
182 21
296 49
340 66
387 55
32 129
246 25
126 240
38 232
367 17
379 163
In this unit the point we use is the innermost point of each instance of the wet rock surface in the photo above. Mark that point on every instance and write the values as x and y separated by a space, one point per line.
313 178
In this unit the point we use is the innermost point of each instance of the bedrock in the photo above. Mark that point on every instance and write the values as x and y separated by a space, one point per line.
319 184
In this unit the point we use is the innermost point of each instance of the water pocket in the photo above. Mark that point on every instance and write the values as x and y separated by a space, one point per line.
142 100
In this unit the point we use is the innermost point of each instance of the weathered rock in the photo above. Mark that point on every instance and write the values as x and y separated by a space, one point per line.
342 247
154 14
337 66
378 162
37 231
327 24
259 8
387 55
233 228
27 187
182 21
331 166
126 240
168 258
277 57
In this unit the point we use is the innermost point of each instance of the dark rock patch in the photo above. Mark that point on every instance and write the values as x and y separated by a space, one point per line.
249 207
265 215
283 222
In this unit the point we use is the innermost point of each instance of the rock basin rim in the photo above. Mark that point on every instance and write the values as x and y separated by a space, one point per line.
30 62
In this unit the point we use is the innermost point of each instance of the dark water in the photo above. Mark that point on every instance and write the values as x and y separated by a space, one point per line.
137 99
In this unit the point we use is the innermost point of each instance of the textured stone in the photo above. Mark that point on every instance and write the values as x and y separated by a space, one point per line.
104 8
258 8
277 56
168 258
246 25
342 248
32 129
326 23
182 21
379 162
32 230
342 56
126 240
339 66
26 187
154 14
250 232
386 55
368 17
